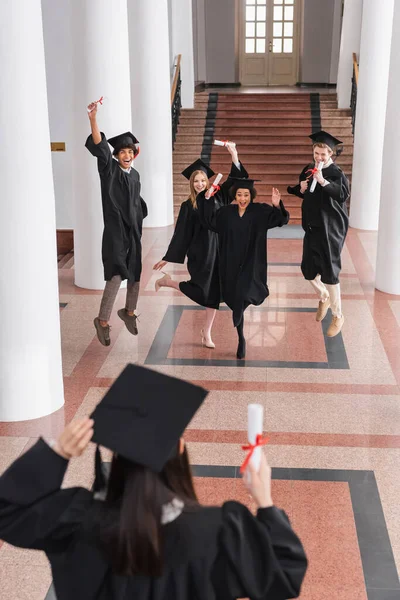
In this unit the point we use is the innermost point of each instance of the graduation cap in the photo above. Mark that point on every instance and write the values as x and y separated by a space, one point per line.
323 137
198 165
123 140
241 183
143 415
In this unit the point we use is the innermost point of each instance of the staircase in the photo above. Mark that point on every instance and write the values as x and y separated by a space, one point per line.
271 132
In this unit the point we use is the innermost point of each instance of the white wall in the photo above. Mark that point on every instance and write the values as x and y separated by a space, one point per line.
58 42
220 23
199 38
319 53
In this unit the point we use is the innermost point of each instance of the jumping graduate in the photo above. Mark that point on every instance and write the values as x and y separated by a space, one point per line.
144 535
123 214
242 233
325 222
192 239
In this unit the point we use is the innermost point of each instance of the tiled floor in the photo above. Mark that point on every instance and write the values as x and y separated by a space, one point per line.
332 410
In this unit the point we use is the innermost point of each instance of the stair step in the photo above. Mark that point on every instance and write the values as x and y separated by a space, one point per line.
254 159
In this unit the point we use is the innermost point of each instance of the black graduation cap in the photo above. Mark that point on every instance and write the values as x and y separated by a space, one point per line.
323 137
123 140
143 415
198 165
240 182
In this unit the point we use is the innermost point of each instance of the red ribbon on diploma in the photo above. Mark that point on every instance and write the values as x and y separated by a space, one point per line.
215 190
312 172
100 101
260 441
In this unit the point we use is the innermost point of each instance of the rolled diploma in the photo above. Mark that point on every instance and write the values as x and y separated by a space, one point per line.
216 182
255 421
314 181
220 143
217 179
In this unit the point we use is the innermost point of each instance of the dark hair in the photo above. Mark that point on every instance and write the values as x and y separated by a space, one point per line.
128 524
236 187
118 149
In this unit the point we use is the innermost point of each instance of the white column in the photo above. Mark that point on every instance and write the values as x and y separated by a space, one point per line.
101 68
376 34
388 256
349 43
182 43
151 106
30 350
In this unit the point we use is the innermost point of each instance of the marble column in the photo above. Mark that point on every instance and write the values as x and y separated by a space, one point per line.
388 256
182 43
151 105
349 43
101 68
376 34
30 350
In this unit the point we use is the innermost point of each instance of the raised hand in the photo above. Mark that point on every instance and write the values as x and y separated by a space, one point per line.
258 484
231 147
160 265
74 439
276 197
92 110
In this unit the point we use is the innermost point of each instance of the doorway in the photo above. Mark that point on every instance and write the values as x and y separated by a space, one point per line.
269 42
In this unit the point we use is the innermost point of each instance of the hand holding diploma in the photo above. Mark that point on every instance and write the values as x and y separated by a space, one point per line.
214 187
224 143
317 177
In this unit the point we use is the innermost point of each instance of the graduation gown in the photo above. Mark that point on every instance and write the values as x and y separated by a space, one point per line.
123 214
211 553
325 221
242 249
192 239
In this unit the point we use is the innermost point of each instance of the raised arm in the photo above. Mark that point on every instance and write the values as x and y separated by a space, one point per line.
237 170
96 135
97 144
34 511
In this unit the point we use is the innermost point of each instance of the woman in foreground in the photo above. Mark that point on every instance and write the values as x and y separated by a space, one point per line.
144 535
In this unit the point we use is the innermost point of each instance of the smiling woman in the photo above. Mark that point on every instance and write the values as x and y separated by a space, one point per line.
192 239
242 228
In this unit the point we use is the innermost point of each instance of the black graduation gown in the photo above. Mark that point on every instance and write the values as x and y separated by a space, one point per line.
242 249
200 245
210 553
123 214
325 221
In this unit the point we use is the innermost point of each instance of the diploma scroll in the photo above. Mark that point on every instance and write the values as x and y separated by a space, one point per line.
223 143
214 186
255 421
314 181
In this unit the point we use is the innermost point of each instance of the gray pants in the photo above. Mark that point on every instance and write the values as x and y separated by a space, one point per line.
110 293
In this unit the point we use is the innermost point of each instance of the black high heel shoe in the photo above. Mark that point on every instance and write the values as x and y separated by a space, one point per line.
241 350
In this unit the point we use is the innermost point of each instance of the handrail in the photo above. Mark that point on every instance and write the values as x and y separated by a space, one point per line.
355 67
177 67
354 87
176 104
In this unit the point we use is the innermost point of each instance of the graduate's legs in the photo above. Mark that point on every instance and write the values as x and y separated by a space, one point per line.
336 301
106 306
166 281
241 350
127 314
132 294
108 299
336 307
206 332
324 297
